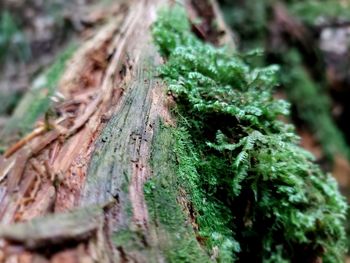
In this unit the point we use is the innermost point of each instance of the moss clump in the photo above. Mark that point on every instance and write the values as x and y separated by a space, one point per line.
283 207
211 214
175 235
250 20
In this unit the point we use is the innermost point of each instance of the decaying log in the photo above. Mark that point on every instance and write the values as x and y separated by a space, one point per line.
73 189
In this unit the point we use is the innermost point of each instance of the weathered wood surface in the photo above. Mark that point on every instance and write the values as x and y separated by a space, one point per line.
55 230
87 171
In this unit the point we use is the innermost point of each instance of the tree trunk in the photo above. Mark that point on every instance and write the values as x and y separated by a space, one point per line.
72 190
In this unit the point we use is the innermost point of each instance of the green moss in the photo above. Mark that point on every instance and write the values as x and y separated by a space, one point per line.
13 44
177 238
250 20
37 100
312 105
211 215
130 240
262 188
8 101
313 11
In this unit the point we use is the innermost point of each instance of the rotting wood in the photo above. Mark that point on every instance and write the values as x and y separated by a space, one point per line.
54 230
98 154
34 147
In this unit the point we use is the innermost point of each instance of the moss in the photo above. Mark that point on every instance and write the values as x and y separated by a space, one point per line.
308 96
8 101
129 240
265 192
13 44
312 12
312 105
250 19
37 100
211 215
177 238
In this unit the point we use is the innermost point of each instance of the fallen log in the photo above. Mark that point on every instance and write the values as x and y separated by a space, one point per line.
72 190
